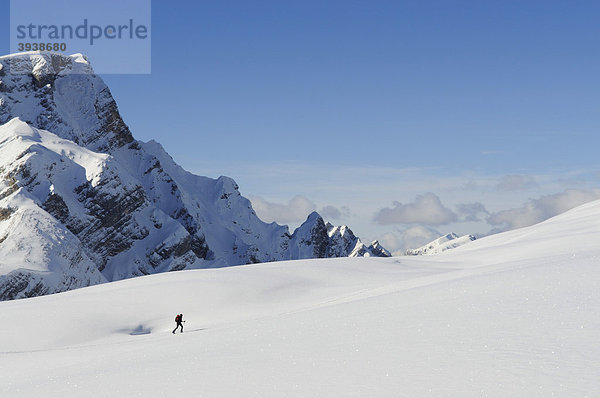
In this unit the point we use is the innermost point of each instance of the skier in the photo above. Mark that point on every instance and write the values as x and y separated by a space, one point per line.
180 321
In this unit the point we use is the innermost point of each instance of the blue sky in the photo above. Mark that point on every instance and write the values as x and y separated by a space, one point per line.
373 105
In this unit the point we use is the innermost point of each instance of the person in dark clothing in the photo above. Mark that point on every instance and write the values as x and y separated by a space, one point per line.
180 321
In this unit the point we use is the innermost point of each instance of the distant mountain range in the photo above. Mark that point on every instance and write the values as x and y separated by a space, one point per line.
82 202
446 242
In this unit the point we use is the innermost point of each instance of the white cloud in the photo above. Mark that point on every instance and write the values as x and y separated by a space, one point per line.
470 212
297 209
538 210
392 242
516 183
399 241
470 186
418 236
427 209
494 152
330 212
335 213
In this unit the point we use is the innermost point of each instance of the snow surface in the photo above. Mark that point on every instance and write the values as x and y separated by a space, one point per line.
512 315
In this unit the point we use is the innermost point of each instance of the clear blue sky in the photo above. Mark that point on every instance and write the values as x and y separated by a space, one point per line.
304 97
381 82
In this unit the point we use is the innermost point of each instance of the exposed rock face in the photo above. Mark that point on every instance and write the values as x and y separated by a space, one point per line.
107 206
310 240
48 257
5 214
316 239
63 95
378 250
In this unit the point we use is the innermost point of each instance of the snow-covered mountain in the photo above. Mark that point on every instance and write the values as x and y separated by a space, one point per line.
515 314
446 242
82 202
317 239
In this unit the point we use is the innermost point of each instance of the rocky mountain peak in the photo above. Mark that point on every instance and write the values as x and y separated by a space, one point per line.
61 94
82 202
315 238
378 250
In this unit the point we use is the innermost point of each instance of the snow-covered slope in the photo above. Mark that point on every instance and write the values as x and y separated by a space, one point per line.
103 198
511 315
446 242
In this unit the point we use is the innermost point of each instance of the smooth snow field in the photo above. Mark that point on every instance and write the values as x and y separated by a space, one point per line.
512 315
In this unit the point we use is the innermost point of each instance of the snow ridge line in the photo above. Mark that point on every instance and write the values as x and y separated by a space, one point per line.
446 275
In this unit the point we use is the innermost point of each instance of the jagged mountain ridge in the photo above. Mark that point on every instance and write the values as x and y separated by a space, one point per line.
317 239
123 208
443 243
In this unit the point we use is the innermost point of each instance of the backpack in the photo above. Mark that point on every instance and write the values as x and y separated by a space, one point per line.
177 318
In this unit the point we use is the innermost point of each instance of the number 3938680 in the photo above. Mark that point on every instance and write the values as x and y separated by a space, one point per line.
42 46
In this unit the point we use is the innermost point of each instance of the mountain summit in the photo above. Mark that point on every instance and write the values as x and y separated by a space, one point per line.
82 202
